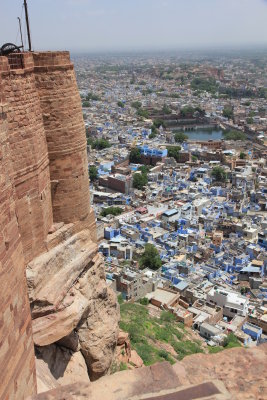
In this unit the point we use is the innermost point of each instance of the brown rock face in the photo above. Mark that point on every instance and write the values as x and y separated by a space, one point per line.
16 344
232 374
64 365
48 230
98 329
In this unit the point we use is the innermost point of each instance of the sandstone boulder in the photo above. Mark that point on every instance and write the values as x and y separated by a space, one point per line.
51 275
122 337
71 341
98 334
136 360
65 366
53 327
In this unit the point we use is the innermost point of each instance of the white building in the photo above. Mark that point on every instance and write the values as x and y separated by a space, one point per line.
232 303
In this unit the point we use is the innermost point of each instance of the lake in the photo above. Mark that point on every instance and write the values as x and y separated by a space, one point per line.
203 134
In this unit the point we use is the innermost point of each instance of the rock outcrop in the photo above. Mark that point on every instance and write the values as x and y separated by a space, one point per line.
48 232
236 374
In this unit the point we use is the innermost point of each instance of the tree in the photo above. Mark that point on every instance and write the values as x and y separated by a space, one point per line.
234 135
111 211
100 144
136 104
159 122
139 181
120 104
135 156
150 258
92 96
166 109
86 104
242 155
219 174
180 137
228 112
142 113
174 152
202 84
187 112
93 173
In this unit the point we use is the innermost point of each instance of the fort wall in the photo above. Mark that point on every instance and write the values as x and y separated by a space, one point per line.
47 228
28 154
65 134
16 344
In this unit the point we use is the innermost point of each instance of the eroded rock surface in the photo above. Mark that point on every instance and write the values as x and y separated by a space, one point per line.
232 374
73 307
64 365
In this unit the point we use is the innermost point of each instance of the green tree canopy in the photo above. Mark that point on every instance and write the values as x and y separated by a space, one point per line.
93 173
142 113
166 109
219 174
100 144
92 96
135 156
234 135
228 112
150 258
120 104
111 211
139 181
174 151
180 137
136 104
187 112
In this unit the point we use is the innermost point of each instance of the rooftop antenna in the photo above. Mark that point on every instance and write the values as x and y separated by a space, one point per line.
28 25
21 37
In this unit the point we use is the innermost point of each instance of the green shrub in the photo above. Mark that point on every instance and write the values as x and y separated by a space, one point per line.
123 366
144 301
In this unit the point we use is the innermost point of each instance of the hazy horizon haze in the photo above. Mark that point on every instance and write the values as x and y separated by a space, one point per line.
138 25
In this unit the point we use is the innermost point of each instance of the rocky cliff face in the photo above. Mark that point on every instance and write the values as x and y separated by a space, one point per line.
234 374
49 230
72 307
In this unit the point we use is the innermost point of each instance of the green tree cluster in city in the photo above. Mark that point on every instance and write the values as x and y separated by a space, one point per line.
219 174
150 258
140 180
93 173
111 211
180 137
228 112
234 135
135 156
174 151
100 144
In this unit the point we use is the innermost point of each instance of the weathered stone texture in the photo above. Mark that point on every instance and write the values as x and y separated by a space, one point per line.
16 345
48 228
237 374
65 132
28 153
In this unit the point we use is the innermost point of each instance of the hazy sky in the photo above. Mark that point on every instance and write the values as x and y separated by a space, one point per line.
100 25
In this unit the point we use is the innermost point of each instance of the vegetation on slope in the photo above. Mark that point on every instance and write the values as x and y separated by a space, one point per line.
156 339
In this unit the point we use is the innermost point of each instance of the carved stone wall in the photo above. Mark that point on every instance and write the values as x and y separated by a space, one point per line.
47 231
65 133
16 345
28 154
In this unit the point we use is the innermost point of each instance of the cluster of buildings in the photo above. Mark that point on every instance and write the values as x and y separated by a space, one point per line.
210 231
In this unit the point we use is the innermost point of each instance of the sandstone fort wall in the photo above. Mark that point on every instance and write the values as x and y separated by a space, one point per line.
43 180
16 344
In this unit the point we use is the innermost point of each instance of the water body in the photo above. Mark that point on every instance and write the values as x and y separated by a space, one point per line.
203 134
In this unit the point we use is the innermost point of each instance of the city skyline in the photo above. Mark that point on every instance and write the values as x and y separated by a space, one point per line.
99 26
